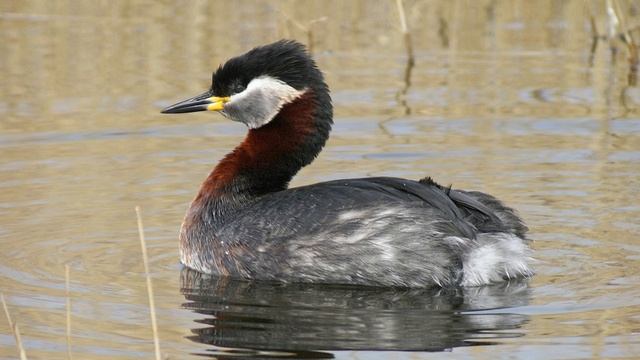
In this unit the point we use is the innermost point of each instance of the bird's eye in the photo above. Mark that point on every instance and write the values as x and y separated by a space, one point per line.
237 87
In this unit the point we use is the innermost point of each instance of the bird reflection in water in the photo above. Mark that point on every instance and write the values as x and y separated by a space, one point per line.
266 320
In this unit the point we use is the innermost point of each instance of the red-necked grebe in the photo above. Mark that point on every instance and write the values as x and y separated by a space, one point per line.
382 231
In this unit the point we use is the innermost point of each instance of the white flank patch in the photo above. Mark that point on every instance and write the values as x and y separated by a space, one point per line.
496 257
388 250
352 214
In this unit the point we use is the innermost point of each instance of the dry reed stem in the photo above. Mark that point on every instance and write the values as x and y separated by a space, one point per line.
15 329
594 32
403 18
617 28
408 43
152 306
307 29
66 287
625 34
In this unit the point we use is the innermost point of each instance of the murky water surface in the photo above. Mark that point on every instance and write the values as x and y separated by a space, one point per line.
505 97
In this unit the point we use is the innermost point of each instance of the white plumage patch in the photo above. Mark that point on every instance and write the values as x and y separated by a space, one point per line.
496 256
260 102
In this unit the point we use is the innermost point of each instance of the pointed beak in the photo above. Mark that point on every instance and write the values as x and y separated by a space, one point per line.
202 102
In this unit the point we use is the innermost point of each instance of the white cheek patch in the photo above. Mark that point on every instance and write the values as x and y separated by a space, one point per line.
261 101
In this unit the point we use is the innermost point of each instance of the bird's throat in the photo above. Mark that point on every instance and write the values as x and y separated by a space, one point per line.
268 157
263 163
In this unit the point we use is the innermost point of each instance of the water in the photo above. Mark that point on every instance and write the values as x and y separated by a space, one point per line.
506 97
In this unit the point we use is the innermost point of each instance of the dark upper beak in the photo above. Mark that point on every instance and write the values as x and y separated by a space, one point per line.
202 102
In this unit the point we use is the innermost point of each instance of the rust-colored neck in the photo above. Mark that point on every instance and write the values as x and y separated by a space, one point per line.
263 163
269 156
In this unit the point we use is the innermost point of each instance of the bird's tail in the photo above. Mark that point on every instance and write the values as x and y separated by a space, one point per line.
496 257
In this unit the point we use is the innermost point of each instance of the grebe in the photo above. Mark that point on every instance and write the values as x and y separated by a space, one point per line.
382 231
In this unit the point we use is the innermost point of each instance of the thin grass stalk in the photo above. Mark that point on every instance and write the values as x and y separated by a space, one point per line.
408 43
152 305
66 287
15 329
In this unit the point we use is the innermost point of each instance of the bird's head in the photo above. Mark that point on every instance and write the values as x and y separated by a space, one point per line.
252 88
